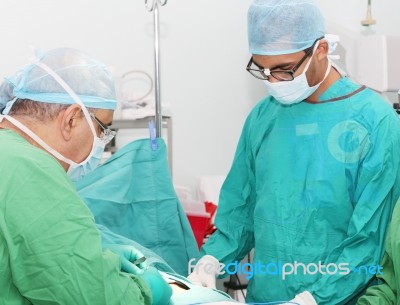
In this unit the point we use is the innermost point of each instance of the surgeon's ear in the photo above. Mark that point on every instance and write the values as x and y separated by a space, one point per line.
322 50
68 120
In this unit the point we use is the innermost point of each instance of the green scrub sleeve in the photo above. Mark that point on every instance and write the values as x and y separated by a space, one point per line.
234 237
54 247
373 204
389 285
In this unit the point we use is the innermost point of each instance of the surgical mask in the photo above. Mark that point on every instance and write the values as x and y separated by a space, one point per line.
297 90
76 170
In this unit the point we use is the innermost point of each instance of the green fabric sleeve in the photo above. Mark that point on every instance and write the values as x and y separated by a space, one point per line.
374 201
234 237
387 291
53 246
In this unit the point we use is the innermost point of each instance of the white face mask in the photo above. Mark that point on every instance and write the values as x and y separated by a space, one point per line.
297 90
75 170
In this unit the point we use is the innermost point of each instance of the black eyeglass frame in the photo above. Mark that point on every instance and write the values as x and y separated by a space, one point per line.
107 134
278 73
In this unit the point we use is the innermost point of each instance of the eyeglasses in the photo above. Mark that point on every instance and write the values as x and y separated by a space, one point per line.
107 134
281 75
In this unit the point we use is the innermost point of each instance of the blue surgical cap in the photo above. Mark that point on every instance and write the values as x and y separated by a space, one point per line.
283 26
90 80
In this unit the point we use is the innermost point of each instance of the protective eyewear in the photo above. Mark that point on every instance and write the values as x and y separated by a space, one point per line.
107 134
281 75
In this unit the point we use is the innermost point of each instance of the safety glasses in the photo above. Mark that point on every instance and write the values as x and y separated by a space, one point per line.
281 75
107 134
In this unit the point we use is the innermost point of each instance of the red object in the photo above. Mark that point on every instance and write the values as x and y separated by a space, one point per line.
212 209
199 224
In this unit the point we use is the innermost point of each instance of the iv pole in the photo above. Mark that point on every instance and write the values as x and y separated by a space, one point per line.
154 8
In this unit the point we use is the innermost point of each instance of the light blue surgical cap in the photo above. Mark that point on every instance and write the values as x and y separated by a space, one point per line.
283 26
88 78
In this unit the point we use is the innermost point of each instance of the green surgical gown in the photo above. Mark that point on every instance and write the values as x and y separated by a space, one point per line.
312 184
387 292
50 248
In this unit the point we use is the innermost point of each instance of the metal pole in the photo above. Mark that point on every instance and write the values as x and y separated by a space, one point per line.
153 6
157 72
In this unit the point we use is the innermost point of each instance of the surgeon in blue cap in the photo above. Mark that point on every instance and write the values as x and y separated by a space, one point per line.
53 129
316 173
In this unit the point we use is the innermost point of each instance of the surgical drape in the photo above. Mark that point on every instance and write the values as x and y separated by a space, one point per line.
132 195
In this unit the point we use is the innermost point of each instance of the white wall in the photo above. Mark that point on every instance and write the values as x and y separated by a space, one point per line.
203 56
349 14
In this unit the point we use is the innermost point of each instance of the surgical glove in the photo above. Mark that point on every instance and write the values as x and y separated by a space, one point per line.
128 255
205 271
304 298
160 289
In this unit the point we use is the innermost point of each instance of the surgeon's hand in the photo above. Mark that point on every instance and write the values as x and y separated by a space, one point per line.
129 255
205 271
304 298
160 289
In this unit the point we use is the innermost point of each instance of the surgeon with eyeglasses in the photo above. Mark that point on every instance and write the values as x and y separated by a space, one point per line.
54 121
316 172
